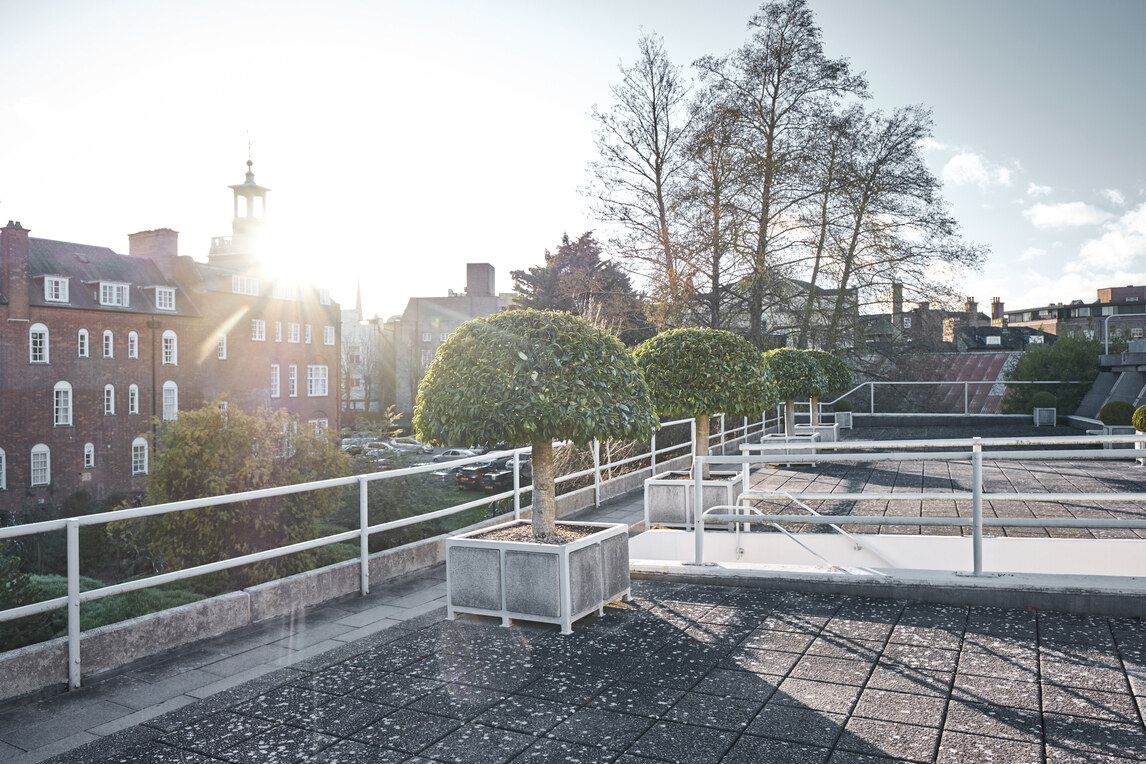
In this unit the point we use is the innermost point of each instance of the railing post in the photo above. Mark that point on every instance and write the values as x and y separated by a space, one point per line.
692 429
517 486
966 404
596 472
73 533
977 504
364 537
871 388
698 514
653 456
723 434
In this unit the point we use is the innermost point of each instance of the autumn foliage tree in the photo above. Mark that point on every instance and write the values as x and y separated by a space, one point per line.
213 451
530 376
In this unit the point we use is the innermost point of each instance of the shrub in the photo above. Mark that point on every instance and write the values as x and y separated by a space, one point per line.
1043 399
838 374
1139 419
1116 413
1071 358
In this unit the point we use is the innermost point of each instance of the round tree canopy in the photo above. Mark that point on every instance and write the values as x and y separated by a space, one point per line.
527 375
837 372
699 372
796 373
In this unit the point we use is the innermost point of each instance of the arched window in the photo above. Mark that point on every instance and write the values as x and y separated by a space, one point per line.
132 345
37 343
133 399
170 348
139 456
89 456
3 471
108 344
41 465
62 405
82 343
170 400
108 399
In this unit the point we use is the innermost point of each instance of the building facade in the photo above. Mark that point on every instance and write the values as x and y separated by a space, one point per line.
97 349
1121 311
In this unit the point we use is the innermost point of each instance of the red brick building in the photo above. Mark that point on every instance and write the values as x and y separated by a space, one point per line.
97 348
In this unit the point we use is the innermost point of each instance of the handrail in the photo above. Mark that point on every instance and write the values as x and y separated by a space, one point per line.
871 385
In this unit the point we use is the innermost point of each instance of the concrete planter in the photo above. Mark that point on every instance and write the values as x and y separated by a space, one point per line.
1115 429
829 433
669 496
844 419
548 583
1046 417
806 450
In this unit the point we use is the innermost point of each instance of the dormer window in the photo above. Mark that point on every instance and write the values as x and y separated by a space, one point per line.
55 289
111 293
165 298
245 285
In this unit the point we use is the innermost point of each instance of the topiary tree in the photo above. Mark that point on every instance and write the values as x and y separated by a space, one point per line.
702 372
1043 399
797 375
1116 413
530 376
838 374
1139 419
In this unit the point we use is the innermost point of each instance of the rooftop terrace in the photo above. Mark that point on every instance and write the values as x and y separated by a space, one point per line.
684 672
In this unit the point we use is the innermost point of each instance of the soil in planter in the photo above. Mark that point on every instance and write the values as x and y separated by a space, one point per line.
565 534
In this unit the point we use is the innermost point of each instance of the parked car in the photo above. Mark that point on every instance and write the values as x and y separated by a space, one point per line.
412 445
453 453
447 476
499 480
470 476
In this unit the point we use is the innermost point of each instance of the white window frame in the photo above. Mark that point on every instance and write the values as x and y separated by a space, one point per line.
292 332
115 294
292 381
83 343
278 331
89 456
221 347
328 335
427 337
306 334
38 344
164 298
139 456
108 344
258 330
245 285
317 381
323 296
133 399
108 400
907 322
41 469
275 381
1135 334
62 405
132 345
55 289
170 348
170 401
427 357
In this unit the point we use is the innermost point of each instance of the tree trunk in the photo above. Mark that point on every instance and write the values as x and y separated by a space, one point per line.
815 411
789 417
700 447
544 490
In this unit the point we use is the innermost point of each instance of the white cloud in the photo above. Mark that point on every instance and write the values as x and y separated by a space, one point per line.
930 144
1034 189
967 168
1065 215
1031 253
1114 196
1124 240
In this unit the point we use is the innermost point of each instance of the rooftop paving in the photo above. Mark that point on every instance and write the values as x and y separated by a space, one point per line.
684 672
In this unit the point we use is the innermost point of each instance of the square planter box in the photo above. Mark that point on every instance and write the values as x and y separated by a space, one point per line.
548 583
668 496
804 451
829 433
1046 417
1115 429
843 419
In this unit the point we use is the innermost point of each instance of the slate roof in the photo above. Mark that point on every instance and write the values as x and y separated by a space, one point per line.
85 265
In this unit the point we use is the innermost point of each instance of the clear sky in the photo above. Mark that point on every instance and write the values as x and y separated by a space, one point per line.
404 139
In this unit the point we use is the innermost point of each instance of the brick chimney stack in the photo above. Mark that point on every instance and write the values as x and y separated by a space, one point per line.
161 245
997 317
479 280
14 269
971 306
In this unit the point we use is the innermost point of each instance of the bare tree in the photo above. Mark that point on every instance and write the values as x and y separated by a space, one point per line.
638 173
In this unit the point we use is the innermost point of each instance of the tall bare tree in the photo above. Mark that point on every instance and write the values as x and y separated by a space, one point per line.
777 84
638 174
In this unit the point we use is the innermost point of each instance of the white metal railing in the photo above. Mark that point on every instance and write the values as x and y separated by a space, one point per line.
365 530
908 450
966 384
